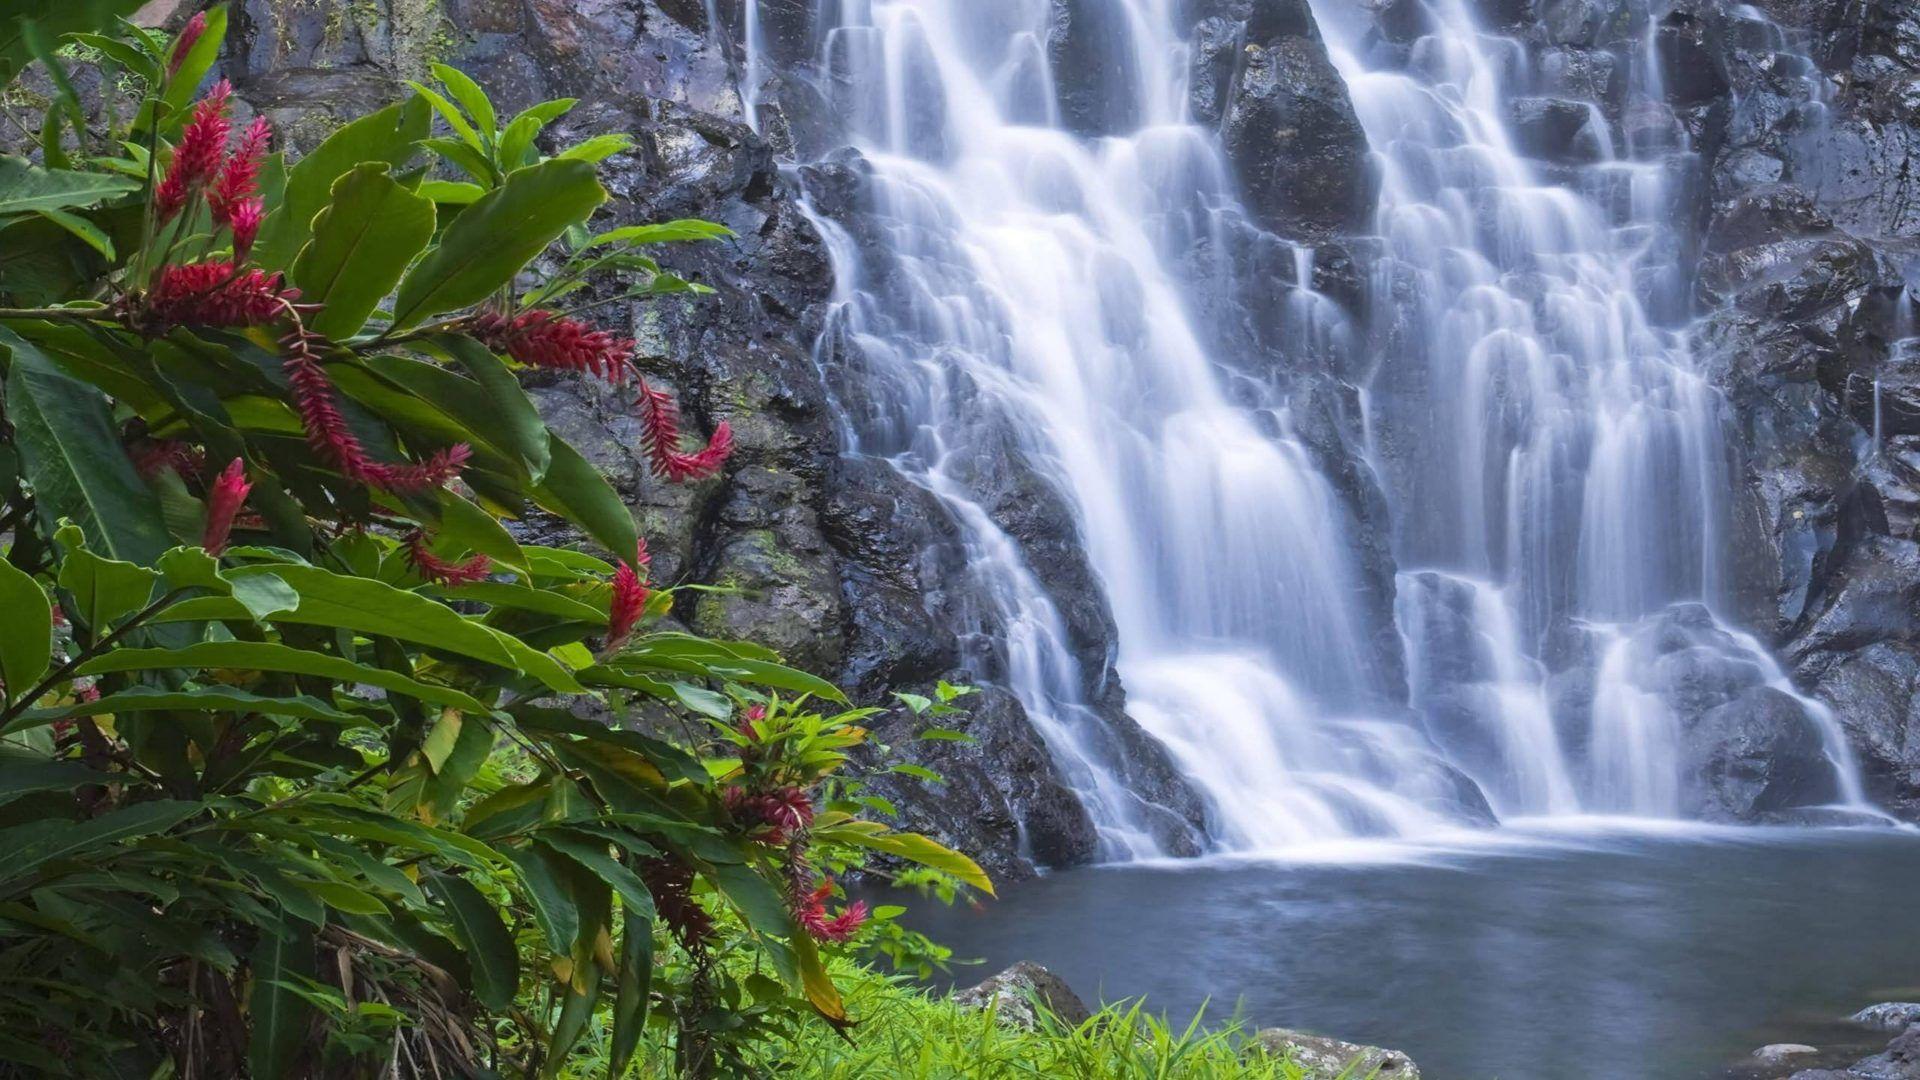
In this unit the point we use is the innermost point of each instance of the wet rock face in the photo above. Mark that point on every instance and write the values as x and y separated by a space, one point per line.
1799 111
1096 79
1293 140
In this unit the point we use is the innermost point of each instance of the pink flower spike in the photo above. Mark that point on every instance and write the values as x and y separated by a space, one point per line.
182 45
440 571
544 339
224 500
623 613
660 437
245 223
239 176
202 149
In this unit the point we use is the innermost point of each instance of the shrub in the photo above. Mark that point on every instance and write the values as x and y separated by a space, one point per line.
305 761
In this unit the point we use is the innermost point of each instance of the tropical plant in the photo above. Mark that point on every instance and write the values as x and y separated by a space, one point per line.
308 765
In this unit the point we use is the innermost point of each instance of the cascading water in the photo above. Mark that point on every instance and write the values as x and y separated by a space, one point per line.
1017 286
1570 479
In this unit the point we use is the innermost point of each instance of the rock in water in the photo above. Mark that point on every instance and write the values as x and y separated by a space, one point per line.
1324 1058
1889 1015
1013 993
1775 1053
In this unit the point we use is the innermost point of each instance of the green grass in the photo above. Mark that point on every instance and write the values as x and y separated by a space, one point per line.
907 1033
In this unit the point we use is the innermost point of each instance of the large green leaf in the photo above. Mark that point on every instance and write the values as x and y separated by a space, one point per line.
55 19
31 845
391 135
64 431
575 490
515 423
26 631
25 186
280 1016
636 986
103 589
200 699
491 957
362 242
270 656
22 773
495 237
591 852
909 846
547 881
376 608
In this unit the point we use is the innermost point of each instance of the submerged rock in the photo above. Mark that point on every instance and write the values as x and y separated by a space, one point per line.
1325 1058
1775 1053
1014 993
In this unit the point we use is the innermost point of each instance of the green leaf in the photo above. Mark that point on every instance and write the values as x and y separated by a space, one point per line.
103 589
26 187
391 135
491 957
55 19
465 158
199 699
470 96
544 876
636 985
576 1010
26 631
912 847
90 234
465 525
664 232
514 423
591 853
753 896
71 451
24 774
262 596
453 116
280 1016
362 243
596 149
376 608
451 192
494 238
269 656
575 490
31 845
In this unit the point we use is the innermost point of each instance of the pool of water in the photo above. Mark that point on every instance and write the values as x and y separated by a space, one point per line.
1553 952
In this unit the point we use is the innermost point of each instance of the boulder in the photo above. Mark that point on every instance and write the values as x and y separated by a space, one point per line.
1295 143
1324 1058
1557 130
1014 994
1889 1015
1779 1053
1095 77
1758 754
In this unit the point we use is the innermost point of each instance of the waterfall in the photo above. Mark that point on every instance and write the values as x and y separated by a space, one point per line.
1017 288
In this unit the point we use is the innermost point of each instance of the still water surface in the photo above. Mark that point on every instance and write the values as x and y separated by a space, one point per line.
1598 952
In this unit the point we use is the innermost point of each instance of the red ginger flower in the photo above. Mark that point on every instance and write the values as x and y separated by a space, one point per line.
214 293
781 812
753 715
810 912
203 145
224 500
244 220
545 339
331 437
660 436
440 571
238 181
629 601
671 883
189 36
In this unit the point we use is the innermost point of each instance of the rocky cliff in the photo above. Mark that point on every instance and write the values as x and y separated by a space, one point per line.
1795 123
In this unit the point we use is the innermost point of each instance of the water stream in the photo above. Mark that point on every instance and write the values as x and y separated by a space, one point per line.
1559 525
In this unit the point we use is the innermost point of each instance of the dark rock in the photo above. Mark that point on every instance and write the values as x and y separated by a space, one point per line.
1216 57
1095 76
1295 144
1587 74
1757 754
1558 130
1013 993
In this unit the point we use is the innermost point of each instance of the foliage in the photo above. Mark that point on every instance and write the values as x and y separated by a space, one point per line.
909 1034
306 765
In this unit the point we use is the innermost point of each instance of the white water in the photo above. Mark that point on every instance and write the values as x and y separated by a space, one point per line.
1034 292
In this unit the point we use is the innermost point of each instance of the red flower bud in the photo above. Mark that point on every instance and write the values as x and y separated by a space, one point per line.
544 339
214 293
440 571
182 45
224 500
629 601
660 436
238 181
245 223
